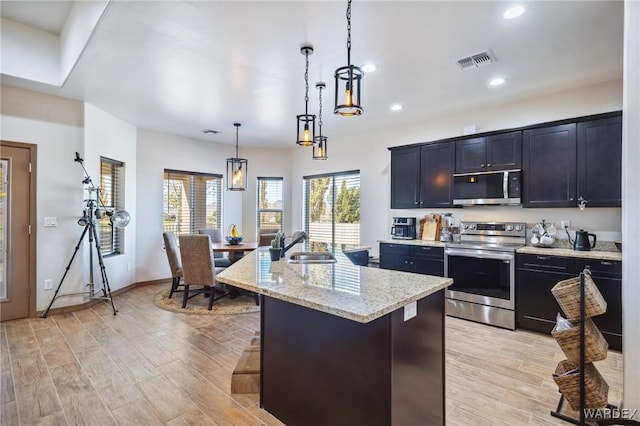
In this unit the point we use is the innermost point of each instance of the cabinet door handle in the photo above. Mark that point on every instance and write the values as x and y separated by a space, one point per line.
482 165
488 164
406 261
543 257
410 263
606 263
426 248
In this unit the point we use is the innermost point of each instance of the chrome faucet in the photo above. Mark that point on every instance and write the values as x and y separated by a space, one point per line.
296 237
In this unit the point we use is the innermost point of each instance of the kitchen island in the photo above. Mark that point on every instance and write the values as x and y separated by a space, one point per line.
347 345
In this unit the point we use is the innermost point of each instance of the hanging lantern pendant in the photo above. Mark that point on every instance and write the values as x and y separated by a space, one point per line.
320 147
237 169
347 81
306 122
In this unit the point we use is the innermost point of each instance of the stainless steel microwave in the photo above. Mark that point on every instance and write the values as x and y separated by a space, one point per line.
487 188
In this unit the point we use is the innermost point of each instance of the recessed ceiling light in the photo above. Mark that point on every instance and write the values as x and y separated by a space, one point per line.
497 81
396 107
513 12
369 67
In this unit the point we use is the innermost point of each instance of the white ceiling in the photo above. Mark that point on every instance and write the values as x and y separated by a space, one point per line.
181 67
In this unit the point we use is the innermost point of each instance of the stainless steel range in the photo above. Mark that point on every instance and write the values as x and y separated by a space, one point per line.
482 265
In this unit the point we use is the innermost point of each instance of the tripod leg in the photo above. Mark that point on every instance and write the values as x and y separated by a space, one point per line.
73 256
106 290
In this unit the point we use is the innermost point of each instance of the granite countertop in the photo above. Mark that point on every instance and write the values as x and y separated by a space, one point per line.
414 242
567 252
342 289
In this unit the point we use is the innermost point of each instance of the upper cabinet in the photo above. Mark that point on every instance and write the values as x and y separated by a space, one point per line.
421 176
489 153
600 162
549 166
405 178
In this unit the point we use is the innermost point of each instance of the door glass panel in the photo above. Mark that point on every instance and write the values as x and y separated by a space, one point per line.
4 214
484 277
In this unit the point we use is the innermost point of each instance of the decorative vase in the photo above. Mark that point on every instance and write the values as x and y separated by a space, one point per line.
275 253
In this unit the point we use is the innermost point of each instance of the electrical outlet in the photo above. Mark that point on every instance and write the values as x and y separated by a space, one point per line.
565 224
48 284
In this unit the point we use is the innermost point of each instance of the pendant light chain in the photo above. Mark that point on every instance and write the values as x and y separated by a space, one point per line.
237 128
306 84
349 33
320 113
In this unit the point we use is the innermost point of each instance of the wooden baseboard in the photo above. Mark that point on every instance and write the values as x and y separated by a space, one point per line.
90 303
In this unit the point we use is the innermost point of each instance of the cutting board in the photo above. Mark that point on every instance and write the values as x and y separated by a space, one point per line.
431 228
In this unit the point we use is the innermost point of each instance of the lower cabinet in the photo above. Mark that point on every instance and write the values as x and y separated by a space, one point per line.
419 259
536 308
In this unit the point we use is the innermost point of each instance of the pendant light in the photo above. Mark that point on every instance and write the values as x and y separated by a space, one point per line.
348 77
237 169
306 121
320 147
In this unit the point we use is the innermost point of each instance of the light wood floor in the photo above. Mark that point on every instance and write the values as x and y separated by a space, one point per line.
149 366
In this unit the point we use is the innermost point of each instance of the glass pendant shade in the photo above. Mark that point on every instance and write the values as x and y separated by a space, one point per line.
306 129
237 169
347 94
320 148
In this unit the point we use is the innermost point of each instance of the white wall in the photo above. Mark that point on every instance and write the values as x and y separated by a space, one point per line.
159 151
56 126
369 154
108 136
631 207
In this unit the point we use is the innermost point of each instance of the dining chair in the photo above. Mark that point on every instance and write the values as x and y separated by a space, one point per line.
198 268
220 260
171 247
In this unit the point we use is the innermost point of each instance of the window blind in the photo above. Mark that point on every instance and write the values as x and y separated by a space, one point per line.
270 204
191 201
331 210
111 198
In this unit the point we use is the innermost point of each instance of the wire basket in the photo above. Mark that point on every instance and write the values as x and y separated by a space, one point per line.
595 346
567 294
596 390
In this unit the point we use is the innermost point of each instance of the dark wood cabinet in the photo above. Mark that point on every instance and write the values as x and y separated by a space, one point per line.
405 178
489 153
419 259
536 307
436 173
600 162
549 166
421 176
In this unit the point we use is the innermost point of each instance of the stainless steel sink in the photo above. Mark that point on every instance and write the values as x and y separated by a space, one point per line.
312 257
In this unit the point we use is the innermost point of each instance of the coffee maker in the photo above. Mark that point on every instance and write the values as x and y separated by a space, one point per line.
403 228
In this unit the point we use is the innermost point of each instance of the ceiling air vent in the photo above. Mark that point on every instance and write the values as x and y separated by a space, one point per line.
474 61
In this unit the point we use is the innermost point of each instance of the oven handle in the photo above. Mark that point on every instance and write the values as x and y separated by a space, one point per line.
481 254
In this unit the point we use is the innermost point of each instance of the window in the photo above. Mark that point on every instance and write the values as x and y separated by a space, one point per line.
191 201
332 209
270 205
111 198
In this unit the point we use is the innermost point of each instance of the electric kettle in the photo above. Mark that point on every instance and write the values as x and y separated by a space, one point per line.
582 243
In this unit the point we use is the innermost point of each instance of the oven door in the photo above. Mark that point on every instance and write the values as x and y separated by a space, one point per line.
481 276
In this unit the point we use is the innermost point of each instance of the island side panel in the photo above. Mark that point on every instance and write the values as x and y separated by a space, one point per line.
418 360
319 369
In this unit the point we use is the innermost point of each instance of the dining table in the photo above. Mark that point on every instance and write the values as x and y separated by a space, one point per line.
236 251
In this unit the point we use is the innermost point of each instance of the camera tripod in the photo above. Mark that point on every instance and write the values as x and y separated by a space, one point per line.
88 220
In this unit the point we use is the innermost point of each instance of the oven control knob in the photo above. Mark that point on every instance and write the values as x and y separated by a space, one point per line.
465 226
518 228
509 227
472 226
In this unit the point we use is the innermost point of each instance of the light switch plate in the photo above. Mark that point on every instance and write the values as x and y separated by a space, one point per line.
50 222
410 310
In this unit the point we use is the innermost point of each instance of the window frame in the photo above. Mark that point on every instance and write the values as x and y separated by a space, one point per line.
112 244
197 219
269 210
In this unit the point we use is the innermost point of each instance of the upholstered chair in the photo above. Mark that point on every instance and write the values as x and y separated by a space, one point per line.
220 260
173 254
197 267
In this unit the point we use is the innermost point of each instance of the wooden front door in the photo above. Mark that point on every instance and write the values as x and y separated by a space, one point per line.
15 232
